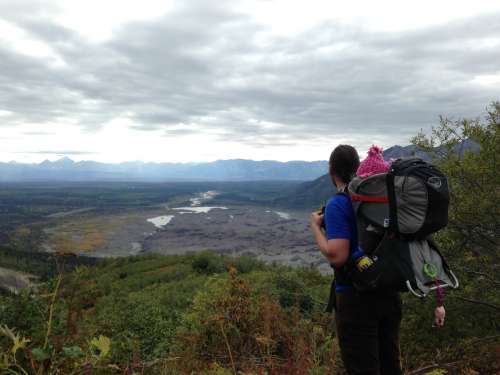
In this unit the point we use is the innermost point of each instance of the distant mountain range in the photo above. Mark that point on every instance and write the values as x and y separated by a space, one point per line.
66 169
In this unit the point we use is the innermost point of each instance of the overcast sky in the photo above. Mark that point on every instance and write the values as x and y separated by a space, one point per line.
200 80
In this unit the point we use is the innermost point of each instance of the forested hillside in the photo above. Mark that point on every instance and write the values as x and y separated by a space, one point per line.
207 314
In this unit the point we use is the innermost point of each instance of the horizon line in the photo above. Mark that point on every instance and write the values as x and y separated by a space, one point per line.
156 162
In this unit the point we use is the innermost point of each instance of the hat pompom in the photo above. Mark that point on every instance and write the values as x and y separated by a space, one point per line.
373 164
375 150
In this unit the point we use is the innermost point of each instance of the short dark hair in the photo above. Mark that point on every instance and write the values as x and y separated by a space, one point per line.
344 162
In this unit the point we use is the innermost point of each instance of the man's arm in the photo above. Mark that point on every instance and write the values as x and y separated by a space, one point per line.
335 250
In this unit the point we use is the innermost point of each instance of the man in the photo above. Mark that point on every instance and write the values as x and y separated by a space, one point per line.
368 324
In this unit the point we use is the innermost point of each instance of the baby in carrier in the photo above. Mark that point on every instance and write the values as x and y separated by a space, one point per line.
374 164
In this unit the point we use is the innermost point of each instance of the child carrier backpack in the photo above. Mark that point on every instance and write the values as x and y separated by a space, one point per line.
396 213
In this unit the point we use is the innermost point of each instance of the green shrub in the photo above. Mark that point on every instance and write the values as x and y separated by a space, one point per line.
207 263
246 264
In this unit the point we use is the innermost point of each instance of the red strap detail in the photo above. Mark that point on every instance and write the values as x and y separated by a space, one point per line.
368 198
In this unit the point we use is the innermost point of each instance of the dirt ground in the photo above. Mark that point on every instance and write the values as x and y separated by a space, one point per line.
15 281
273 236
253 231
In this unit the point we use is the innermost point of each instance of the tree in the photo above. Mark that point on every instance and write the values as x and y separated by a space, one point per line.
467 151
473 177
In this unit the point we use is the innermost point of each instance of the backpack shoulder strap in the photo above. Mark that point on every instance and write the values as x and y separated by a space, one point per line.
370 239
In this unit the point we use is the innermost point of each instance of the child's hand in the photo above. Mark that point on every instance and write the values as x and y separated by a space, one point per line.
439 314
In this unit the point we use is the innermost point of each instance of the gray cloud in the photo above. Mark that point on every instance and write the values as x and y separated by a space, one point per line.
201 66
38 133
57 152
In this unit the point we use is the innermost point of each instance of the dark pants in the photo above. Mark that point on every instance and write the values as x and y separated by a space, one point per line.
368 332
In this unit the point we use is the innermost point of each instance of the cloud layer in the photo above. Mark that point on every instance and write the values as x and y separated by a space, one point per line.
209 69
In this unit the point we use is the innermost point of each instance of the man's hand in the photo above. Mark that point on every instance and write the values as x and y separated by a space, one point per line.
316 219
439 314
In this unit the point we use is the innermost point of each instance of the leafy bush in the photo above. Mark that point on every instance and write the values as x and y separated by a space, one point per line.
148 306
232 326
207 263
246 264
470 243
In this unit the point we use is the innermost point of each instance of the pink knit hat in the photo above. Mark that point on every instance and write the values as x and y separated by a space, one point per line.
373 164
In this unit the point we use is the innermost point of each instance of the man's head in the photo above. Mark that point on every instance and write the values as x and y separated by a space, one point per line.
343 163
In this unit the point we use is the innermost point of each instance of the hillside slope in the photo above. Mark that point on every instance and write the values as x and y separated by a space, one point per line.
310 194
214 315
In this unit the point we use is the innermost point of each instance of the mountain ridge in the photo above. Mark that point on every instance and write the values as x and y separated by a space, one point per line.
65 169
